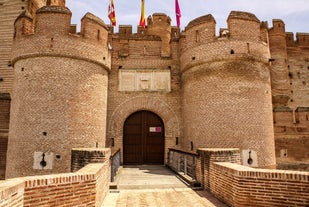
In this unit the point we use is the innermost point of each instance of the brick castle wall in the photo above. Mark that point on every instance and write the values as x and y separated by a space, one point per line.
220 173
144 51
206 158
292 127
227 94
60 91
242 186
86 187
151 49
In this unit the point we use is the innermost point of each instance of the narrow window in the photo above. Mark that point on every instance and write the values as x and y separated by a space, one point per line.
98 34
197 36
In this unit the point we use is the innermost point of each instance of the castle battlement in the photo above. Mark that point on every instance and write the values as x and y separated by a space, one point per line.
245 37
302 39
46 33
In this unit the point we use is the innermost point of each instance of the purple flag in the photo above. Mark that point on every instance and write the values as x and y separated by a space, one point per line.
178 13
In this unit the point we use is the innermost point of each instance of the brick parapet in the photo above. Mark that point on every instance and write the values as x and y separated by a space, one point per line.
87 186
83 156
244 186
206 158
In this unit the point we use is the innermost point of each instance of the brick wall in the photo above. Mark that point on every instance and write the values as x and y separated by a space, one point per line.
292 138
3 149
82 157
5 101
243 186
206 158
60 91
87 187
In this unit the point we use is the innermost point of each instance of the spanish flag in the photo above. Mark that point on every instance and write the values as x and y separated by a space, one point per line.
142 21
111 12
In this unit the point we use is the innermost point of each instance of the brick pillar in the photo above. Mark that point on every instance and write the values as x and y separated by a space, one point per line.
206 158
83 156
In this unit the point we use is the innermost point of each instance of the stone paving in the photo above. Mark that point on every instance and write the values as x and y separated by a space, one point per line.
155 186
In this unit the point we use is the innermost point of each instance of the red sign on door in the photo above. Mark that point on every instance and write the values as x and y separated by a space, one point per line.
155 129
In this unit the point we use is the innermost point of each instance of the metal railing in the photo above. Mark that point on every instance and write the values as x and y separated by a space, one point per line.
182 162
115 164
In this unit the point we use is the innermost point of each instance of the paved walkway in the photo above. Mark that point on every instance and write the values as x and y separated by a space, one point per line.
155 186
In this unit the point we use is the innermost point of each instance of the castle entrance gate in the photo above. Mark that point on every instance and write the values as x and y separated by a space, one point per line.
143 139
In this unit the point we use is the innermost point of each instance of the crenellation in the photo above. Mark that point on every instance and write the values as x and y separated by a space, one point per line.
290 42
244 26
302 39
278 26
93 29
125 30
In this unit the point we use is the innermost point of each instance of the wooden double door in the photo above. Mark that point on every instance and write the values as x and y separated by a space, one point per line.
143 139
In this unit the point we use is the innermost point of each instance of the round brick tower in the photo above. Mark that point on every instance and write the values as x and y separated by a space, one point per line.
226 88
60 92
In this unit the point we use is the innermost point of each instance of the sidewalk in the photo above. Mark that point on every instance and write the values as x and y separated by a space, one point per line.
155 186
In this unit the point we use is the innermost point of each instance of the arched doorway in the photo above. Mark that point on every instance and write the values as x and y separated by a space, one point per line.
143 139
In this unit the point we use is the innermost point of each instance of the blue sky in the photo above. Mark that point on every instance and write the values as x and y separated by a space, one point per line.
295 13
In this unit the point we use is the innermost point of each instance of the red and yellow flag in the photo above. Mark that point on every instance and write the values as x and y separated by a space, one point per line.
111 12
142 21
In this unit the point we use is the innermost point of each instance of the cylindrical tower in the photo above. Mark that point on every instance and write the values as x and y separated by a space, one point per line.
60 92
279 72
227 92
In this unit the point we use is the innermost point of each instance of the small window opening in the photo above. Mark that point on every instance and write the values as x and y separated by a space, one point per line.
193 58
1 79
307 117
44 133
197 36
22 69
232 52
98 35
120 66
290 75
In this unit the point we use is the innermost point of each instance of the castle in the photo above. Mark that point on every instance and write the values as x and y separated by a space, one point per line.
146 92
